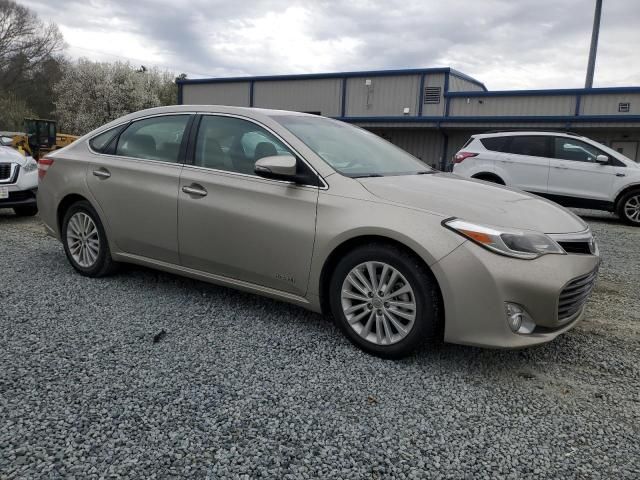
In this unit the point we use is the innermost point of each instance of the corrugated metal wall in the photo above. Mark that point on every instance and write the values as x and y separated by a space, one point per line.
424 144
385 96
607 104
320 95
516 105
234 94
457 84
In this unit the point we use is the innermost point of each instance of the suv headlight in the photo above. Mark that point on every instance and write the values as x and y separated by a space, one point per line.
30 166
513 243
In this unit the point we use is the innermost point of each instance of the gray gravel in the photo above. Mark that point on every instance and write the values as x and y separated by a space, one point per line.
239 386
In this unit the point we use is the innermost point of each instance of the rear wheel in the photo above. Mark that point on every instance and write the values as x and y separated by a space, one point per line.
385 300
85 242
26 211
629 208
489 178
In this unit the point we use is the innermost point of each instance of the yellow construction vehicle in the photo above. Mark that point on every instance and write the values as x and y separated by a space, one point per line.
40 138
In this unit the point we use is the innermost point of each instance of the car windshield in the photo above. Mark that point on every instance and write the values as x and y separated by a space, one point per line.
352 151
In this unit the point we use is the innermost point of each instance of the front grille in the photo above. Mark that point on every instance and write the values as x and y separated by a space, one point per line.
575 295
583 248
5 171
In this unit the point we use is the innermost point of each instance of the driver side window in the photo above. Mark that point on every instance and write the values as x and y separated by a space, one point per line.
234 145
569 149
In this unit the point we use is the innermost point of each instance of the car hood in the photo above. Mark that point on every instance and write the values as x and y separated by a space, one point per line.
9 155
475 201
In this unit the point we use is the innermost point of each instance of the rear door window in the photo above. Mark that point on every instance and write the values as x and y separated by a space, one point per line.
535 146
155 138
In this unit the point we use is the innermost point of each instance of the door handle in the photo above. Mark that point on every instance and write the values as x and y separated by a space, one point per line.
195 189
101 173
561 168
621 174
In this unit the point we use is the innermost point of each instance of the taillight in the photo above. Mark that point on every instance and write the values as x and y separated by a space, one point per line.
460 156
43 166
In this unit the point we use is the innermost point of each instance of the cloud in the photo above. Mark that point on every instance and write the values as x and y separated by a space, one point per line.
506 44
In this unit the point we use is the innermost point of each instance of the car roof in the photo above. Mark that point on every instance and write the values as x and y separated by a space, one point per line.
512 133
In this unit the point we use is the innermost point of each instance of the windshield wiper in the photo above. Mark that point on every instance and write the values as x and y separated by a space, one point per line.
426 172
368 175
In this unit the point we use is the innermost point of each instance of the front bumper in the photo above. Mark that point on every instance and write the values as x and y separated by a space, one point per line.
476 283
19 198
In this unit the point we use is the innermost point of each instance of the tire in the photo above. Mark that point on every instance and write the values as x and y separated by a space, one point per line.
629 208
26 211
490 178
97 262
426 326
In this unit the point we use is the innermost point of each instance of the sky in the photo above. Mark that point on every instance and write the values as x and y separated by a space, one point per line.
507 44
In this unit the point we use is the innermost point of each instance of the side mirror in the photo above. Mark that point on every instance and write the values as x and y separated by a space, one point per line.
602 159
278 167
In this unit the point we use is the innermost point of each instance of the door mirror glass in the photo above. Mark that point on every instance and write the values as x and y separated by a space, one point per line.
602 159
279 167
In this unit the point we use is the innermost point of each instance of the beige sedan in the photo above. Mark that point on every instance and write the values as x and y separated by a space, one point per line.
325 215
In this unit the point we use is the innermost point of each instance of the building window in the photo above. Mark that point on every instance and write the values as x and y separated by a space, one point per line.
432 95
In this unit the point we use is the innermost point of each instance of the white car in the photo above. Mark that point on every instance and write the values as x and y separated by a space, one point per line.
18 182
571 170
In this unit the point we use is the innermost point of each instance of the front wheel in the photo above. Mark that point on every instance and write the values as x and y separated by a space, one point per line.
85 242
385 300
629 208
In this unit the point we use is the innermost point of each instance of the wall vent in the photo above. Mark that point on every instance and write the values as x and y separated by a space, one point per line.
624 107
432 95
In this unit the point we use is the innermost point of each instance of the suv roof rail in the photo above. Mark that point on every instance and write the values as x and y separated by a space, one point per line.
516 130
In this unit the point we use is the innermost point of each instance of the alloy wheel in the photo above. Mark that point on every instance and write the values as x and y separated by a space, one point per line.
632 208
378 303
83 239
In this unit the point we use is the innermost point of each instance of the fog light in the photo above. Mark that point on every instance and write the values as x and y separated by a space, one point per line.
518 319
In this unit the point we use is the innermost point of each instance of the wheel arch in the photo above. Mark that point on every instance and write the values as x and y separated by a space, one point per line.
623 192
352 243
64 205
489 177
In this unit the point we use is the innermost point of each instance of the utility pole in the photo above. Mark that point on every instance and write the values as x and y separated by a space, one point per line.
594 45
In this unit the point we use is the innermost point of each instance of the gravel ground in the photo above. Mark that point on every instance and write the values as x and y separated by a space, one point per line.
244 387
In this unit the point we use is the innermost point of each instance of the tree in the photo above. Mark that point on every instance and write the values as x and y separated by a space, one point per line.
13 111
25 42
90 94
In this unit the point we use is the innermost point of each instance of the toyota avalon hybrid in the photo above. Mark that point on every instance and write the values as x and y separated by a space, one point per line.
324 215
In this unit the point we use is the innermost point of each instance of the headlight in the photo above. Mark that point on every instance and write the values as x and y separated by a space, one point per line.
30 166
513 243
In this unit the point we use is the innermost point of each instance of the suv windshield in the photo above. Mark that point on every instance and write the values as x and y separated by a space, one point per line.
352 151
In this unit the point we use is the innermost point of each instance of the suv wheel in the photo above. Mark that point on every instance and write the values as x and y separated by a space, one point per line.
629 208
28 211
385 300
85 242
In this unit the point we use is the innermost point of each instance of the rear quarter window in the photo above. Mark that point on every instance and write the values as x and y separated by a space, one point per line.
495 144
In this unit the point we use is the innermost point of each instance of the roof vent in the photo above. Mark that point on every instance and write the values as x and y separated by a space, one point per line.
432 95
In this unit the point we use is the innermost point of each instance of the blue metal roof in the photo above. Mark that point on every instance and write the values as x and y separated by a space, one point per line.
553 91
315 76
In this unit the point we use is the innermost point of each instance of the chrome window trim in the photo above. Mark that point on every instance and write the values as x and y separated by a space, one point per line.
252 177
323 186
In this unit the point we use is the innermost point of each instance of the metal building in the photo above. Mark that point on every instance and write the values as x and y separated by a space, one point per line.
432 112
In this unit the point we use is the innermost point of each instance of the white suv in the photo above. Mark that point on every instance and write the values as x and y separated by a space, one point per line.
18 182
569 169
